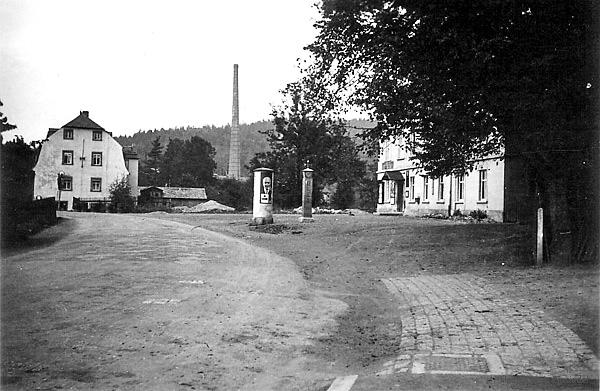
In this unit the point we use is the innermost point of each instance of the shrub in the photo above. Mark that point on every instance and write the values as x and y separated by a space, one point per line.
121 200
457 213
478 214
343 198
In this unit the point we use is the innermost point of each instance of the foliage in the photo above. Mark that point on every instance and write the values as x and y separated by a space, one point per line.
121 200
231 192
300 136
367 193
471 78
251 141
17 159
478 214
150 167
188 163
343 198
4 124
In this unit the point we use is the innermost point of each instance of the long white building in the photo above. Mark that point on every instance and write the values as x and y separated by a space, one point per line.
405 188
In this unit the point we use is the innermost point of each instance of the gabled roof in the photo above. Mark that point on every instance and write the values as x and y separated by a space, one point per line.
194 193
393 175
83 121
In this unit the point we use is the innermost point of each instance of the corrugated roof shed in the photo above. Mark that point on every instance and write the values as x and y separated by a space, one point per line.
195 193
184 192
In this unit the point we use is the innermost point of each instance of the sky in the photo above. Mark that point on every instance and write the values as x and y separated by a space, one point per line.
139 65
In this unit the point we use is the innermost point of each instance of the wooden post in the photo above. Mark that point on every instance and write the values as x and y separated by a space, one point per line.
540 238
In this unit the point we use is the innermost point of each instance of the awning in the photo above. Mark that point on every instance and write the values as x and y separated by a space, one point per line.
392 176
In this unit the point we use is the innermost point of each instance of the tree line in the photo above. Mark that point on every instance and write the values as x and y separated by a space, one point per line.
296 140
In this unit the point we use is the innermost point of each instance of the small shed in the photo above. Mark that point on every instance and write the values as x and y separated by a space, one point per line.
172 196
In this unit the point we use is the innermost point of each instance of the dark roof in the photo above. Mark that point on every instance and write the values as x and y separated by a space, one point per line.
146 188
83 121
189 193
393 175
130 153
51 131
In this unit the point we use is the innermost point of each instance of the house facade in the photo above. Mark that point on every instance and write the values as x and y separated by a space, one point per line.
79 161
405 188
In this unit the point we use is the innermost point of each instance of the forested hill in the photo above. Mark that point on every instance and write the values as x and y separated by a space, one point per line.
251 141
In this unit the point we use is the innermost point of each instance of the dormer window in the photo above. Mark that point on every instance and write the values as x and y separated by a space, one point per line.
97 135
68 134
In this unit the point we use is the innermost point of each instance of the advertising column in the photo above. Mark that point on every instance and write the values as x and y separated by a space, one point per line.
262 206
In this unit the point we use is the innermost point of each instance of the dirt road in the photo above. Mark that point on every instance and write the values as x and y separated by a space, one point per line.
127 302
156 302
425 294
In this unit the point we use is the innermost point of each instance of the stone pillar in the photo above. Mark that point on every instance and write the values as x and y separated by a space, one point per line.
539 258
307 187
262 206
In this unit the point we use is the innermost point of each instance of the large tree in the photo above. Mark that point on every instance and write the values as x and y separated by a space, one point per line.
471 78
188 163
302 136
150 170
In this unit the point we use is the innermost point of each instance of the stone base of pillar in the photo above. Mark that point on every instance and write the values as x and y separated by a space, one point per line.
306 220
261 220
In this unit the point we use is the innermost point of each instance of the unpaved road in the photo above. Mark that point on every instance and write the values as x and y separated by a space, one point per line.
134 302
127 302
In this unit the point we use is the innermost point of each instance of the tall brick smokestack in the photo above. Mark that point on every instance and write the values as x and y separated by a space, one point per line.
234 143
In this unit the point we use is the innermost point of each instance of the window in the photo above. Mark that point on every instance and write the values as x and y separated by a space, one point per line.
96 184
67 157
392 188
97 135
381 191
401 149
432 186
96 158
425 187
411 187
66 183
68 134
441 188
460 187
482 185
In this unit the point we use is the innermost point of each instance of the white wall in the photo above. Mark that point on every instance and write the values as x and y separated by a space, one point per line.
50 164
417 204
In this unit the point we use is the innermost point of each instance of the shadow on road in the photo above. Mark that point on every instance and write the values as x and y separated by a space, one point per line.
46 238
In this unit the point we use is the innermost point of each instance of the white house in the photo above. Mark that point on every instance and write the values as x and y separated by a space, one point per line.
80 161
405 188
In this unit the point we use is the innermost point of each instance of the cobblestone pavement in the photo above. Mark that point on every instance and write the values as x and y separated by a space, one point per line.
458 324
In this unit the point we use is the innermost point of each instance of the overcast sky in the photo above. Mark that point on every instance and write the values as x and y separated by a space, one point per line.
146 64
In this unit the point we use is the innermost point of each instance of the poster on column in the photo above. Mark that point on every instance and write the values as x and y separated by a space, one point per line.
266 187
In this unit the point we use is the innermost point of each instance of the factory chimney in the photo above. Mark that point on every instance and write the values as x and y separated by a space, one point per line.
234 143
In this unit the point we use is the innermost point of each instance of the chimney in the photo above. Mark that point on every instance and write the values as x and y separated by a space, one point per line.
85 113
234 143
